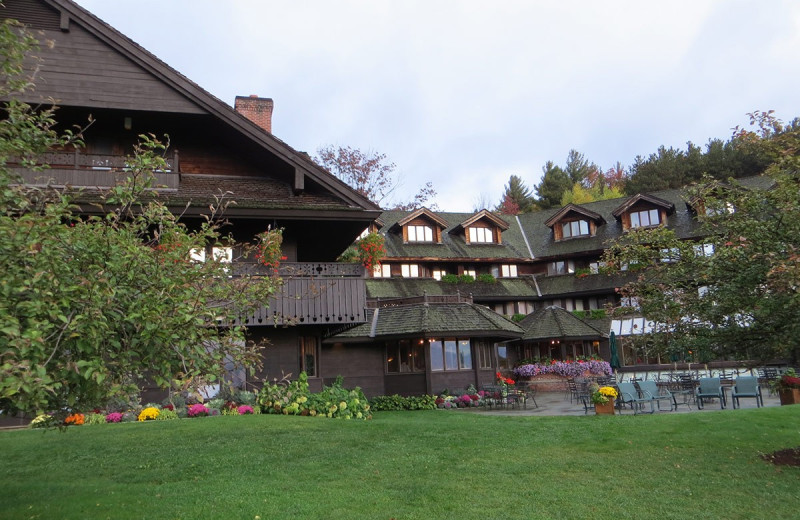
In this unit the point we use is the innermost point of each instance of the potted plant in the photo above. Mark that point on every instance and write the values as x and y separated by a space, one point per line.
788 387
603 399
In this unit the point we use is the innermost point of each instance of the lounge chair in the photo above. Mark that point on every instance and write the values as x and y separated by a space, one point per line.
650 389
629 395
747 387
710 388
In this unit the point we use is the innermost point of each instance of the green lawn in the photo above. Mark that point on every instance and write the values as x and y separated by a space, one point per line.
412 465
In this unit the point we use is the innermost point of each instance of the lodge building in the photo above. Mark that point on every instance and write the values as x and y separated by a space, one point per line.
442 310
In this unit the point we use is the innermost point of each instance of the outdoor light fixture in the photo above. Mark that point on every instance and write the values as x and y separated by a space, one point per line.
128 123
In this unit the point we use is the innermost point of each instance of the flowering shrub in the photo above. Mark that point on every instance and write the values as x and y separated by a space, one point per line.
565 368
114 417
268 249
787 381
333 401
150 413
42 421
371 250
197 410
604 394
75 419
245 410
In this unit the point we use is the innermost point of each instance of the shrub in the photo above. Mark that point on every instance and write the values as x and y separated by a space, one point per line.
486 278
466 278
94 418
114 417
167 415
76 419
450 278
398 402
43 421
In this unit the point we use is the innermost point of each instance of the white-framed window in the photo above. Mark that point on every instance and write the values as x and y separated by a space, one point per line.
575 228
594 267
561 267
382 271
438 273
409 270
470 272
704 250
481 235
645 218
197 255
670 255
420 233
508 271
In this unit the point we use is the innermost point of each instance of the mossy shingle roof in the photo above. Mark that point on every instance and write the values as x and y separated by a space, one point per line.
431 320
556 323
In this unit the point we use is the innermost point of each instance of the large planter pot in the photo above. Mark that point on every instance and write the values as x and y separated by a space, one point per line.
789 396
605 409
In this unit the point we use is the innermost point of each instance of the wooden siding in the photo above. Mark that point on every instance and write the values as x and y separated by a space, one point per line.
90 178
359 364
309 301
81 70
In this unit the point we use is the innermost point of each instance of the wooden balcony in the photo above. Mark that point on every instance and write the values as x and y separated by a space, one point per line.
92 170
313 293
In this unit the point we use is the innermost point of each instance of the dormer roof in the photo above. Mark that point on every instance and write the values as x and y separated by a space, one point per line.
424 213
578 210
481 215
668 206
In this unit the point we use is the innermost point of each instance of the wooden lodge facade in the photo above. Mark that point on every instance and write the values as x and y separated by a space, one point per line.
412 325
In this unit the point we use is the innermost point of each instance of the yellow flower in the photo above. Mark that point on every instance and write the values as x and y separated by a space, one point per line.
149 414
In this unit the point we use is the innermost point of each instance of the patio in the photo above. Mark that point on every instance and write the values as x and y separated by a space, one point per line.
557 403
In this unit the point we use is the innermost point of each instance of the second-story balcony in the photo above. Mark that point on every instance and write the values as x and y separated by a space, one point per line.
312 293
80 169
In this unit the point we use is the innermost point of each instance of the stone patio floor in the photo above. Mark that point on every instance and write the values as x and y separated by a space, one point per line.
555 403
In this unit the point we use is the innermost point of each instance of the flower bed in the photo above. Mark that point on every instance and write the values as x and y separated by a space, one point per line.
565 369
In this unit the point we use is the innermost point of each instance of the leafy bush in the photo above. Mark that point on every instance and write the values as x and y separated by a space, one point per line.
486 278
399 402
167 415
466 278
94 418
516 318
450 278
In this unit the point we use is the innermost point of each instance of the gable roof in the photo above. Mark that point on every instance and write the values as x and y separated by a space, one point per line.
556 323
482 214
303 166
421 212
572 208
628 204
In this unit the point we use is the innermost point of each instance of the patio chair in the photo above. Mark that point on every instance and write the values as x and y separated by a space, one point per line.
710 388
747 387
651 389
630 396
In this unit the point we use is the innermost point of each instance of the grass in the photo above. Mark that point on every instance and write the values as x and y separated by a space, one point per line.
412 465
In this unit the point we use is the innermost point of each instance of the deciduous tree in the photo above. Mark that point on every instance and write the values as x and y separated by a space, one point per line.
372 175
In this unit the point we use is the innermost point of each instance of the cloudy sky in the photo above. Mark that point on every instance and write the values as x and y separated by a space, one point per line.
466 93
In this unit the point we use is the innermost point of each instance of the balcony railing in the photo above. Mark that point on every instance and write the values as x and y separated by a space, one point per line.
82 169
314 293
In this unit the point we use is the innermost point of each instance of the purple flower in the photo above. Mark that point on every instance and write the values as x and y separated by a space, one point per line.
561 368
114 417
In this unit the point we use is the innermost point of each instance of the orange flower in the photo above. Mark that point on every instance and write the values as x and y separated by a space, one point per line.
75 419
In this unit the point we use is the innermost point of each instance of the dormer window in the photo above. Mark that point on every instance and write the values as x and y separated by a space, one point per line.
483 235
573 221
483 227
576 228
643 211
420 233
645 218
420 226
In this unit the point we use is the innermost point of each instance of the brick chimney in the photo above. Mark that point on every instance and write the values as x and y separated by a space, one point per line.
256 109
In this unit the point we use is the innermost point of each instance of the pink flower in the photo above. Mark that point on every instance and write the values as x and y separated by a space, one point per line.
245 410
114 417
197 410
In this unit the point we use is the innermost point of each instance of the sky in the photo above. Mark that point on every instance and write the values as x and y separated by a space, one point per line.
466 93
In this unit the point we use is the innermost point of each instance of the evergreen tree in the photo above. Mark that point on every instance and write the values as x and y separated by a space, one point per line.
554 183
518 195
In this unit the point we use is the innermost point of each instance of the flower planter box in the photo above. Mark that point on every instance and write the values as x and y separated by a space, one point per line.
789 396
605 408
